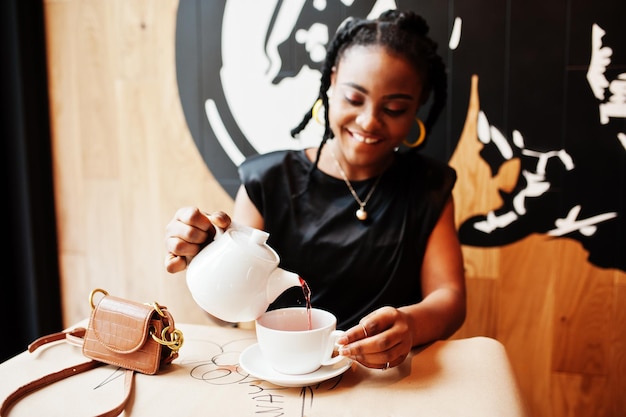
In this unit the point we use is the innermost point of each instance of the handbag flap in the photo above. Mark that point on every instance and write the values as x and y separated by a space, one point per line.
122 326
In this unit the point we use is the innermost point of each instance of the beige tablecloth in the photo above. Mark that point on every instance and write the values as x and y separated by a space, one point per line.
468 377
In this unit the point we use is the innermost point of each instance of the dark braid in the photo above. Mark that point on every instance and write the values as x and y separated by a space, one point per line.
335 49
402 33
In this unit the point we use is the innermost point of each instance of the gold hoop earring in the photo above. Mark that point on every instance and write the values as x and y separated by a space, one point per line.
315 110
420 138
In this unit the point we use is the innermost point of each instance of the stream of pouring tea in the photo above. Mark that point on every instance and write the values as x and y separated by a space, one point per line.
307 297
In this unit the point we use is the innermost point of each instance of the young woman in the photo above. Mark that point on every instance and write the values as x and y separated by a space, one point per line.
368 226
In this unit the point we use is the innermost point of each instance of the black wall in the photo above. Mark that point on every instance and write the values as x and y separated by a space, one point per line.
29 293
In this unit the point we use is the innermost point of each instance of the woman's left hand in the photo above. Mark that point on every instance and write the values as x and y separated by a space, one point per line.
382 339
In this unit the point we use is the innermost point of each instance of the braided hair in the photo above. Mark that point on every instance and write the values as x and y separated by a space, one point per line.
401 32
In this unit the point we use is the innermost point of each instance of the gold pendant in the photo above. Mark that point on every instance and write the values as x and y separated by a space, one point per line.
361 214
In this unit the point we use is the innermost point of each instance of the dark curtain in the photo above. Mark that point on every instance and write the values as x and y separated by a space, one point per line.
30 294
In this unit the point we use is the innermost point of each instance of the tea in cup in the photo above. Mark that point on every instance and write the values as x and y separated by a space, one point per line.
291 346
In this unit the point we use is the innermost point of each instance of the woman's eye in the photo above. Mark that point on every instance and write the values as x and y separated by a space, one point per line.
391 111
354 101
395 112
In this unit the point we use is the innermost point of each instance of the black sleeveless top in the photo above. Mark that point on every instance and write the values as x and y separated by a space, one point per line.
352 267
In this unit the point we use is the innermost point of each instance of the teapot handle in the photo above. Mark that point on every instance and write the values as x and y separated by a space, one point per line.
219 231
255 236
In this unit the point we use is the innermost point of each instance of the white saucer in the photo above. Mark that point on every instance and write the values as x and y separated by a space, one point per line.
253 362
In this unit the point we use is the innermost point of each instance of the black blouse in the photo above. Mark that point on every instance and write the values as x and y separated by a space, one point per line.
351 266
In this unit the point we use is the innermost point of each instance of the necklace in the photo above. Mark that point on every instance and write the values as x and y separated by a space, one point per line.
361 214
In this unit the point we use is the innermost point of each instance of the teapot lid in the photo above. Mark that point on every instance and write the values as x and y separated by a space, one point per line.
254 241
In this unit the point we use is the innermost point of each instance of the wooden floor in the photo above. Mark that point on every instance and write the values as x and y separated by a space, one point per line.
124 161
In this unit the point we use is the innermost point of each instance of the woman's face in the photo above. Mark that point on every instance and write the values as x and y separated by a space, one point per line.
373 101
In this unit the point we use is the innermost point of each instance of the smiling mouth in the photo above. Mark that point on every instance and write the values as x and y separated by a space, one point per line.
365 139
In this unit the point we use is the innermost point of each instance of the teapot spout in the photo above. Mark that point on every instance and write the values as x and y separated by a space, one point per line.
279 281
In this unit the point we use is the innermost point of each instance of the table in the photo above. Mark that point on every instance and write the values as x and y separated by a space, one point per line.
465 377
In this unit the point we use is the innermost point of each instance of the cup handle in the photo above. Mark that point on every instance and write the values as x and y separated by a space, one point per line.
332 345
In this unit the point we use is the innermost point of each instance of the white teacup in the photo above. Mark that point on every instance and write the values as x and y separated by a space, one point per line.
290 347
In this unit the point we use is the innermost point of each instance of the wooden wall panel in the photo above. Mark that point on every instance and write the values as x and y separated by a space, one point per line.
617 359
476 189
124 161
583 316
525 324
581 395
483 305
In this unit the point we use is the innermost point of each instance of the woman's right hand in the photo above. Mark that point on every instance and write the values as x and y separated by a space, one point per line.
189 231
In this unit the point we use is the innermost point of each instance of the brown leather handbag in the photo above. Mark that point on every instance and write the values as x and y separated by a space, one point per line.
134 336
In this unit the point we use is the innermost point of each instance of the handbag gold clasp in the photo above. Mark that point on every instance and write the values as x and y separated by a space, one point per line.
175 337
175 342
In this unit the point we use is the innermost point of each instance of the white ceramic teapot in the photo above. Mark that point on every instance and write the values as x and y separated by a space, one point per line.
236 277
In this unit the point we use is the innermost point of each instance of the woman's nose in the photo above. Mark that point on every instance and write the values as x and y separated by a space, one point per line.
368 119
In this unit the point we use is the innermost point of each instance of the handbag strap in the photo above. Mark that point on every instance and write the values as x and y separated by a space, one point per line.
74 337
48 379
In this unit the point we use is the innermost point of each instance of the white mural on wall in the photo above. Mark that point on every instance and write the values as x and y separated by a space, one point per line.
616 89
535 187
257 72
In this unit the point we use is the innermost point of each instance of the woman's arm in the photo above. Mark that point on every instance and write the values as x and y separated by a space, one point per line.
245 212
385 337
442 310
